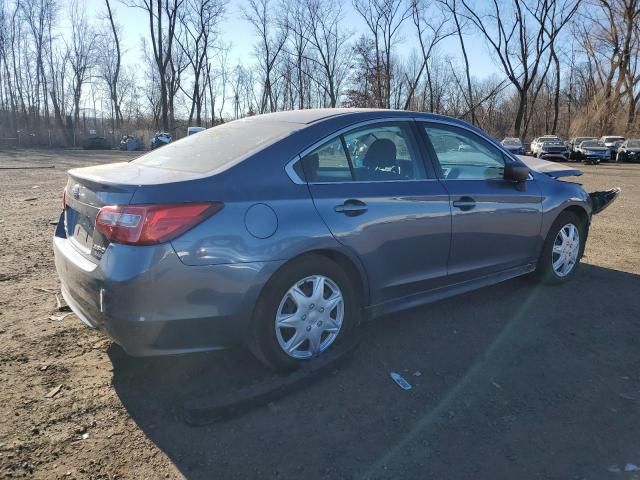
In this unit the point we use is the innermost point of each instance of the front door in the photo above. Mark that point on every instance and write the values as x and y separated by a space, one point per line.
495 225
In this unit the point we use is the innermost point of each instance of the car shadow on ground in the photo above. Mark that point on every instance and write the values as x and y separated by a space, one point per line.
512 381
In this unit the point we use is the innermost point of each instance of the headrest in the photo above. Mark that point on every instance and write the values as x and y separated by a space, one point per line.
381 154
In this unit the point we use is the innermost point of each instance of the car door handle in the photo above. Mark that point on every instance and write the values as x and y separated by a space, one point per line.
465 203
351 207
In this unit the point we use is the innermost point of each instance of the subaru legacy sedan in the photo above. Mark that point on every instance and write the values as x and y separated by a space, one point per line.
273 233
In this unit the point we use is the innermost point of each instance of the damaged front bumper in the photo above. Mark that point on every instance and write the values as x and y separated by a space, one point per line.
601 200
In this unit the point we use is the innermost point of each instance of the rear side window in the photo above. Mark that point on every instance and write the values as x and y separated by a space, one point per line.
375 153
328 163
217 148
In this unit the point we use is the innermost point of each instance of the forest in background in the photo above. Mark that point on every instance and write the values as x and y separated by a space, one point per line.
568 67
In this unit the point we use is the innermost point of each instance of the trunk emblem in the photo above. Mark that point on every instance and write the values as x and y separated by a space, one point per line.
75 191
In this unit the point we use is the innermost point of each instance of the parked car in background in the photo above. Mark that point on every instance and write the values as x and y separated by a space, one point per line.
514 145
131 143
612 142
264 232
192 130
592 152
160 139
96 143
629 151
536 143
550 148
574 143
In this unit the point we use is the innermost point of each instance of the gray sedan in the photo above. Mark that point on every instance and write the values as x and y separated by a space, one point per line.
271 232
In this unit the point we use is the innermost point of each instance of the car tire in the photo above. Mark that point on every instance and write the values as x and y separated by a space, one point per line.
267 340
546 270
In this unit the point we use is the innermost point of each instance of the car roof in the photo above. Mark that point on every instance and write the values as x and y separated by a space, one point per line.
316 115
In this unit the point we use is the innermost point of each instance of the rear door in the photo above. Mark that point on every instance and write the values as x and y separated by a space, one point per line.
495 223
379 198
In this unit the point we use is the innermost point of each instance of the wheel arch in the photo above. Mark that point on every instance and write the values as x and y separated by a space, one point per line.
583 217
347 261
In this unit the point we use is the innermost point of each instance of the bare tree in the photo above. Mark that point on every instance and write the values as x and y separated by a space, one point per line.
111 63
453 7
162 42
328 41
199 22
82 55
431 28
383 18
259 14
520 35
609 30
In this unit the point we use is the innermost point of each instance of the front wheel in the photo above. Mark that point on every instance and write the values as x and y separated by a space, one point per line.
562 249
304 311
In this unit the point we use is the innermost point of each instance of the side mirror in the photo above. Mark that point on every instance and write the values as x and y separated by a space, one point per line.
515 172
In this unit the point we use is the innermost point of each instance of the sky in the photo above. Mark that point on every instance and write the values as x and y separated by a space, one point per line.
239 34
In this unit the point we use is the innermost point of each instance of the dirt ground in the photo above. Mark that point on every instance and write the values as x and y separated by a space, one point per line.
513 381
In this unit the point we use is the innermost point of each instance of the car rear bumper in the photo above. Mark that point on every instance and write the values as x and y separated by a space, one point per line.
150 303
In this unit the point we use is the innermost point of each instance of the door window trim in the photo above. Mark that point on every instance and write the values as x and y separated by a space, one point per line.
295 178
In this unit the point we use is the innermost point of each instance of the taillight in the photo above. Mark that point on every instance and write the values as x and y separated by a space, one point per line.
151 224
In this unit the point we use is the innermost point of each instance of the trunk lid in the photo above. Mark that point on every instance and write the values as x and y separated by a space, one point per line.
83 200
90 188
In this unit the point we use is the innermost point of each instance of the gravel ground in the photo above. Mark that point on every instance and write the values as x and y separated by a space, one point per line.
512 381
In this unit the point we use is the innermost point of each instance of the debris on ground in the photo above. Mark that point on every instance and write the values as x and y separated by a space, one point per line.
57 318
54 391
417 373
45 290
402 383
61 306
29 199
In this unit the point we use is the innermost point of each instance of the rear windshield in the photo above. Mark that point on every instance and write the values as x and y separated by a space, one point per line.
218 147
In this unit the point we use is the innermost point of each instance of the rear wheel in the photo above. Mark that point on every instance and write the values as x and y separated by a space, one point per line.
562 249
305 310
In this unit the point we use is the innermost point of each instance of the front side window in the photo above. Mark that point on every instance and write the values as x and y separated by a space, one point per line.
463 155
374 153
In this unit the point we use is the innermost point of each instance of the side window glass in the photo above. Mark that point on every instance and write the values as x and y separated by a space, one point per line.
384 152
465 156
327 163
